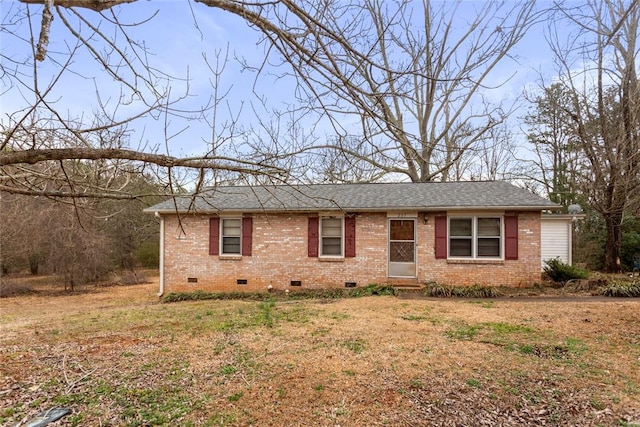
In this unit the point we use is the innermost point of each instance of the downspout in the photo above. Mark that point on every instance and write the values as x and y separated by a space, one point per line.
571 225
161 266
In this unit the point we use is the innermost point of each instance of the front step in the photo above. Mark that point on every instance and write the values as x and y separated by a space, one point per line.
411 287
406 285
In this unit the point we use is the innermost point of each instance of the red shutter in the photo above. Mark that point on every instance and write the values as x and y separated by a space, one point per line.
510 237
247 229
441 237
350 236
313 236
214 236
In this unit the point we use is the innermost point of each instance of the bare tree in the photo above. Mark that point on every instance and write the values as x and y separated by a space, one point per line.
41 140
495 158
605 108
51 237
23 243
78 239
411 78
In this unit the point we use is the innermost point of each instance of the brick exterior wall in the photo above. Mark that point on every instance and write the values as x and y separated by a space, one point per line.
279 256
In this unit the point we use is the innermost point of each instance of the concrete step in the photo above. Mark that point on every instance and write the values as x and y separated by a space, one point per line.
408 285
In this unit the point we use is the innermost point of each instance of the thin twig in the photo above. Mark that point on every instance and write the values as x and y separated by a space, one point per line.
82 378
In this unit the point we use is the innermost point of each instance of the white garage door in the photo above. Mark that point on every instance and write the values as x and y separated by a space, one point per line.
556 239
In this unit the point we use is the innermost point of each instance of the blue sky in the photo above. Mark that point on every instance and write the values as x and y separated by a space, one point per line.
178 47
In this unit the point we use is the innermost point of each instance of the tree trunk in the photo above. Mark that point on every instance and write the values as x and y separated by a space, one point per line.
34 264
613 243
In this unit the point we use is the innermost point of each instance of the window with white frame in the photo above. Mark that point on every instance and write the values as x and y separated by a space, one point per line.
331 236
475 237
231 232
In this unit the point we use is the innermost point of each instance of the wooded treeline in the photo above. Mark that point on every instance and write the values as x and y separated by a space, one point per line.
81 240
379 91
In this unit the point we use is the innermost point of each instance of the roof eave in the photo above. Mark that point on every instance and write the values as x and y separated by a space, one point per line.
335 209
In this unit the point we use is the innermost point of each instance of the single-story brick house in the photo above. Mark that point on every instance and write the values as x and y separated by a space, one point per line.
337 235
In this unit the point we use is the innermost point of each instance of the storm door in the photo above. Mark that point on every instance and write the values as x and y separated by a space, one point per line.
402 248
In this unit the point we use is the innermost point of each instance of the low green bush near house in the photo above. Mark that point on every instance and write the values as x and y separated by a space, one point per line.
561 272
434 289
373 289
617 288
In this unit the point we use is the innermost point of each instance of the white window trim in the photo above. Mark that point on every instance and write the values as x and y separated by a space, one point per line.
320 237
221 239
474 236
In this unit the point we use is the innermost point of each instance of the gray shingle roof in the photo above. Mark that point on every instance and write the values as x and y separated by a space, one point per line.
358 198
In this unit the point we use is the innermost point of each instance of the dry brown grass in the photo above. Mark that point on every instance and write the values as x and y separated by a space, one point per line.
117 356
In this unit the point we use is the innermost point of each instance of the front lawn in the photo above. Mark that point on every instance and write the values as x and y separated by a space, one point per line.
118 356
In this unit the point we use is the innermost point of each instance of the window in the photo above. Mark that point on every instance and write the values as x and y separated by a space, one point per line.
231 235
331 236
475 237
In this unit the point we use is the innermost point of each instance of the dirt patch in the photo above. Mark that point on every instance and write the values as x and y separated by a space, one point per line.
117 356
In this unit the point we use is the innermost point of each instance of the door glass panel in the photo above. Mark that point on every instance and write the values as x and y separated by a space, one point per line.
397 269
401 251
402 229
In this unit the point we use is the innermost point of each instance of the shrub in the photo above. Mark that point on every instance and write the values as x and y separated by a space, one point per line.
617 288
202 295
369 290
561 272
434 289
12 288
372 289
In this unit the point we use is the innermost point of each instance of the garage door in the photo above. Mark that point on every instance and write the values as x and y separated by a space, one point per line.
556 240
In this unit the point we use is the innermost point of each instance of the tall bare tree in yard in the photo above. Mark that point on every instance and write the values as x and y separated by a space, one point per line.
605 108
412 76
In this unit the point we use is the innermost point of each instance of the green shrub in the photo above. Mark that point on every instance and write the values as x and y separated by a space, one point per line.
561 272
621 289
203 295
434 289
369 290
372 289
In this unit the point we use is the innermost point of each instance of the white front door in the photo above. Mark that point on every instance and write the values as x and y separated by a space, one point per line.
402 248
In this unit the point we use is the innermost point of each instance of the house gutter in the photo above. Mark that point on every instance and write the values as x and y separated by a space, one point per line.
161 290
430 209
